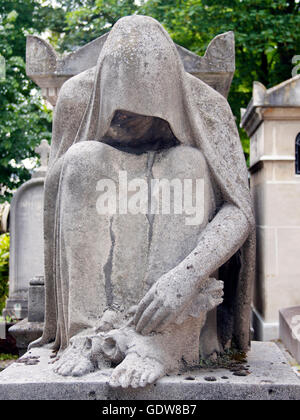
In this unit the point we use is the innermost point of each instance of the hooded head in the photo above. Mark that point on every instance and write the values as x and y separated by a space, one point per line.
139 71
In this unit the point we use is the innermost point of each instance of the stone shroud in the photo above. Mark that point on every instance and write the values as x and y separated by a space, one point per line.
185 129
271 378
272 122
49 70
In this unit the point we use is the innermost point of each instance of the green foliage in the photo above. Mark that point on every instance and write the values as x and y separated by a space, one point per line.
75 23
4 268
4 357
8 319
267 35
24 120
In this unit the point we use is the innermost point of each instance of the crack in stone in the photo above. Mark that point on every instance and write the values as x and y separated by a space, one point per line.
150 217
108 268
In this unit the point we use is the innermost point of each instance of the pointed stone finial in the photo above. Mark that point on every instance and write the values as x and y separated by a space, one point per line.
44 151
259 94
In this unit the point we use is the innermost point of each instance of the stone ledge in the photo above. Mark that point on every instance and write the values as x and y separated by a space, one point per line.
289 321
271 378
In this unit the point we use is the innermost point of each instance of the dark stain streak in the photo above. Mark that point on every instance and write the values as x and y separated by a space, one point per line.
108 268
150 217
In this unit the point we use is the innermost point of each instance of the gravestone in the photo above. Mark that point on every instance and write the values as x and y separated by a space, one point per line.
27 242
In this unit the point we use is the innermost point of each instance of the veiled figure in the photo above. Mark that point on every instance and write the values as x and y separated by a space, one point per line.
141 290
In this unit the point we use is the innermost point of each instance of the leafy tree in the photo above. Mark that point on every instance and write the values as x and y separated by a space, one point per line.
267 33
267 37
24 119
75 23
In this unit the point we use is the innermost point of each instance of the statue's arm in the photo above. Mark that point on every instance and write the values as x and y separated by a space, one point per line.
171 294
219 241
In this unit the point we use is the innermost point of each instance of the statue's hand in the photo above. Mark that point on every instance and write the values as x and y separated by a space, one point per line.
162 304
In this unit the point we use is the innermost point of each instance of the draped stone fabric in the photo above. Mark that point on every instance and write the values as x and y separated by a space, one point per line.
140 71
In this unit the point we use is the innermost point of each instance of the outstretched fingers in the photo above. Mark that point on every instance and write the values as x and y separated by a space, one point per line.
147 316
156 320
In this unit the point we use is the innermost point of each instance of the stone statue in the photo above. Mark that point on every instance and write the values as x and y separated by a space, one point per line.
144 292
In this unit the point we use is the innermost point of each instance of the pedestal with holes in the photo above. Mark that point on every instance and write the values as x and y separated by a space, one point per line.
269 377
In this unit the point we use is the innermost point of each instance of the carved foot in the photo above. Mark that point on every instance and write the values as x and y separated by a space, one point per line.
77 359
136 371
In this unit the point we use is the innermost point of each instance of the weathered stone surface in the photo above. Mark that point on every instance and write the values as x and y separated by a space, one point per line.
36 300
289 330
270 378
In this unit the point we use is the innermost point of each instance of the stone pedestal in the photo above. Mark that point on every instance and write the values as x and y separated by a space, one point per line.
31 328
36 303
272 121
271 378
25 332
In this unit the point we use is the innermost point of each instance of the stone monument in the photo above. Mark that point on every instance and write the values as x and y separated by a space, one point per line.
144 307
272 123
27 242
149 232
